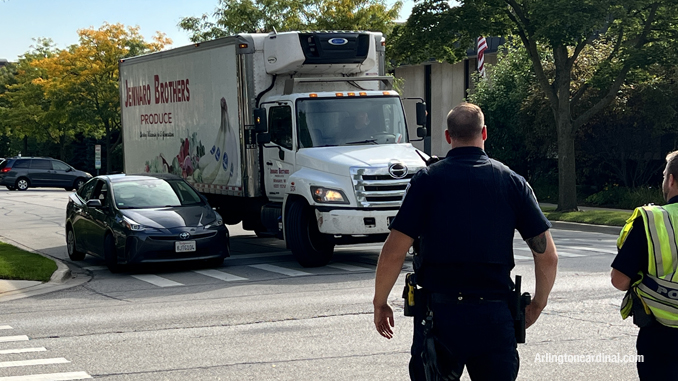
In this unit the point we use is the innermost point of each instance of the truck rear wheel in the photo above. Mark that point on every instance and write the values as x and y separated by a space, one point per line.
309 247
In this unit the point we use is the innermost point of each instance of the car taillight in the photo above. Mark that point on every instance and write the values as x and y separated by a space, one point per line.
5 170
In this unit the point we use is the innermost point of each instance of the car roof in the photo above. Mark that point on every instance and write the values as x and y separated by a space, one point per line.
122 177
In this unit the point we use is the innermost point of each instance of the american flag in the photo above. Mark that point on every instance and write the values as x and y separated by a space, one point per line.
482 46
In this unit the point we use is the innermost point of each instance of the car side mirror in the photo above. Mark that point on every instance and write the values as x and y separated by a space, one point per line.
95 203
69 169
422 132
263 138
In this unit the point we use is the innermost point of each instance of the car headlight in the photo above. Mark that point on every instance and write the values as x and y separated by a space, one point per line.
132 225
328 196
218 221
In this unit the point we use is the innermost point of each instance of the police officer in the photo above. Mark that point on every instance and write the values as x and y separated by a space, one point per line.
465 209
645 267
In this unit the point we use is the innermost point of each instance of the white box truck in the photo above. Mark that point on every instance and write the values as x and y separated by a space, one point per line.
296 134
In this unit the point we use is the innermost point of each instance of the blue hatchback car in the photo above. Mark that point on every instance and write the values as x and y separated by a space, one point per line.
150 218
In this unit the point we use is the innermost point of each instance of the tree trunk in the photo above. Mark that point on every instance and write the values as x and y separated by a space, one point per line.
567 180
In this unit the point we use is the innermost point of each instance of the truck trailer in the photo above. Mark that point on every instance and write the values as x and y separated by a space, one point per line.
295 134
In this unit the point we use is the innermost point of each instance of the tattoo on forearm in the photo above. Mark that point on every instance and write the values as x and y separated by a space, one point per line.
538 243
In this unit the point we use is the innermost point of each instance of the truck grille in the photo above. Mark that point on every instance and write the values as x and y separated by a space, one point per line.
375 187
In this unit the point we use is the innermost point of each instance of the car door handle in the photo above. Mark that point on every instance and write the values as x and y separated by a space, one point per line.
269 163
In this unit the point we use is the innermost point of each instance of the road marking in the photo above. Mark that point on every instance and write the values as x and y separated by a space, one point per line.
280 270
157 281
606 251
358 247
568 255
6 339
521 257
347 267
5 327
7 364
49 377
95 268
220 275
22 350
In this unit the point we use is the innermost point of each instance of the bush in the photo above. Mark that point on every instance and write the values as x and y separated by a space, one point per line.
614 196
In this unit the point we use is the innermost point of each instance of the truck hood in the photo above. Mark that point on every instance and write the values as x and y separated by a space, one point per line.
337 160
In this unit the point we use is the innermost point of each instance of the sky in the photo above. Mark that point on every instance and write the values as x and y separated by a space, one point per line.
21 21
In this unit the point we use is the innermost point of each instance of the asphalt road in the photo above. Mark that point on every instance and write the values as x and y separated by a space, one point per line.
261 316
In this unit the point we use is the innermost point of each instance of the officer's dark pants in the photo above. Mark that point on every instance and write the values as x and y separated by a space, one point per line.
657 344
477 335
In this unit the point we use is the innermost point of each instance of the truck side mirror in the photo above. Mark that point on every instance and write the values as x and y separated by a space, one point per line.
260 123
421 132
421 114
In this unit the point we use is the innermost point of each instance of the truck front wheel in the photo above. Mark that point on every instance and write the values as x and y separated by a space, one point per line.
309 247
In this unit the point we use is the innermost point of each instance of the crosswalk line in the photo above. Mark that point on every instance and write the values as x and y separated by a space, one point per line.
58 360
49 377
347 267
6 339
521 257
280 270
565 254
593 249
22 350
157 281
5 327
220 275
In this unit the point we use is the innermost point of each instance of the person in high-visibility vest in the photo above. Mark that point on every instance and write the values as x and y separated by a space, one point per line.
645 267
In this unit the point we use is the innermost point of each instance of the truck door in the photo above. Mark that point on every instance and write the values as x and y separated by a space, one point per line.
279 154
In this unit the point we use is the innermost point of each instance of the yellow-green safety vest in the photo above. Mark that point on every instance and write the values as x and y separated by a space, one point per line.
657 288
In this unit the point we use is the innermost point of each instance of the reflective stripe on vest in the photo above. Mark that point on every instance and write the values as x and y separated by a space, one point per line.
657 289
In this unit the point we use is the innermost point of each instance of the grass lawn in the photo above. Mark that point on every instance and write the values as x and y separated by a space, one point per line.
595 217
17 264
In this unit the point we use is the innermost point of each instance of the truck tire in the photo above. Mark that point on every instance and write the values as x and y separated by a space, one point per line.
309 247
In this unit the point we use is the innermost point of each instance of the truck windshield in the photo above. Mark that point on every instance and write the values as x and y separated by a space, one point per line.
323 122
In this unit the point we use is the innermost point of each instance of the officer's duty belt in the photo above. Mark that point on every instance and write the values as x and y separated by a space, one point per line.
440 298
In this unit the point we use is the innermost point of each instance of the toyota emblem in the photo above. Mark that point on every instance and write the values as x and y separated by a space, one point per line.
397 170
185 235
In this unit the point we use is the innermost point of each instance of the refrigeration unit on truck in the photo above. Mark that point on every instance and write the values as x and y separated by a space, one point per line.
297 134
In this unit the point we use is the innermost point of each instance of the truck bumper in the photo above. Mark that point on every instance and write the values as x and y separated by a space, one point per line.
354 221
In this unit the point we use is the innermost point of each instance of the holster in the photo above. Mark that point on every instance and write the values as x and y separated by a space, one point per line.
640 316
519 302
411 295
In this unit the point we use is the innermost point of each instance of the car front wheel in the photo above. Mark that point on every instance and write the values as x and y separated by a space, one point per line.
110 255
73 252
21 184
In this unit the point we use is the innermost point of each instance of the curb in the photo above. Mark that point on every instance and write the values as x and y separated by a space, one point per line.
60 275
605 229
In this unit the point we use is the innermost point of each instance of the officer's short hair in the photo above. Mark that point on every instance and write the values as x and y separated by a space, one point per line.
465 122
672 164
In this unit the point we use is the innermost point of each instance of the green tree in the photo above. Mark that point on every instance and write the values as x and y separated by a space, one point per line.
249 16
81 82
638 32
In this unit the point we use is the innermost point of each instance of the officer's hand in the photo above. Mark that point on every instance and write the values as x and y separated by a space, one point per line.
532 312
383 320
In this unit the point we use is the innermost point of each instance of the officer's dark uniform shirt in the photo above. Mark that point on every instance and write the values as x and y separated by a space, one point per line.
466 208
632 257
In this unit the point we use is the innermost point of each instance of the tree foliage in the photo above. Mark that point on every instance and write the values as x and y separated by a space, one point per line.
249 16
639 33
62 93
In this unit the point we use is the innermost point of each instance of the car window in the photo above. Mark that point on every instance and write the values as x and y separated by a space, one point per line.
86 191
3 164
41 164
100 192
59 166
150 193
22 163
186 194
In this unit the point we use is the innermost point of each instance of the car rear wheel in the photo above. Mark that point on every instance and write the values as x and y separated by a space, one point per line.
78 183
110 255
21 184
73 252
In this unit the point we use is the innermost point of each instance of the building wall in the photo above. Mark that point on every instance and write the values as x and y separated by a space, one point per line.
448 89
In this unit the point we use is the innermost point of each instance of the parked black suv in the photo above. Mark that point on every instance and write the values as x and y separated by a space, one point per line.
24 172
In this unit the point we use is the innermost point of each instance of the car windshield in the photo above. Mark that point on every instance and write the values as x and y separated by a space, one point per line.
323 122
153 193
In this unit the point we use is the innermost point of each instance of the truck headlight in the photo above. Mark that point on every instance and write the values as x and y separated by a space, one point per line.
328 196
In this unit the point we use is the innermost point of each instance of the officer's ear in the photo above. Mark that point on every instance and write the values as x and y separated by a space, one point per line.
484 133
447 136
